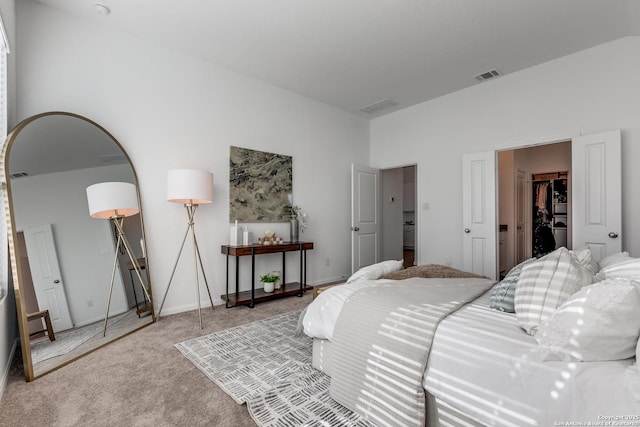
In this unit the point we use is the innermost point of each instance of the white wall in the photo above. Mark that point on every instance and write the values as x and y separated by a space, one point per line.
170 110
84 245
591 91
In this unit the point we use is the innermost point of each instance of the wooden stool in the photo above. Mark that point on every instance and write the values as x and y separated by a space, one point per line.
47 321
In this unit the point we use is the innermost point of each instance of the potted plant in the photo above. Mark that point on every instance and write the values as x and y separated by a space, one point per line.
269 281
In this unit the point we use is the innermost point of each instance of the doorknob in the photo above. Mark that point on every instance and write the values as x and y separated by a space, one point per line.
613 234
355 228
466 230
56 281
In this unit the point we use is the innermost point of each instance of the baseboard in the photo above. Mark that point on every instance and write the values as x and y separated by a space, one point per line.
7 368
330 280
166 311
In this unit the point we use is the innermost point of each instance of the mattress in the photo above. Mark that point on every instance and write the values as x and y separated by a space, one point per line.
483 364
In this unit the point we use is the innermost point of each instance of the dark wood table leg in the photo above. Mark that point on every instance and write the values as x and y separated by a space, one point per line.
226 304
300 292
253 278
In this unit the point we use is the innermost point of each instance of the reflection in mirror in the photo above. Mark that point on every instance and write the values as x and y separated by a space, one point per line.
62 258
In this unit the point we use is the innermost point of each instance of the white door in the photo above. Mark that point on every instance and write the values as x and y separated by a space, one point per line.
596 193
365 216
45 272
479 213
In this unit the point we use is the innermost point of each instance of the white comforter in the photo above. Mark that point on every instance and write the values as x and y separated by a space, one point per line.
486 366
321 315
483 364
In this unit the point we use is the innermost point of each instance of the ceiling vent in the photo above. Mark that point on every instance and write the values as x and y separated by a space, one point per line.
113 158
19 175
488 75
379 106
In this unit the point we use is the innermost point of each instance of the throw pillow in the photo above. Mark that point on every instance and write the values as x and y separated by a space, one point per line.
599 322
629 268
374 271
584 257
614 259
502 297
545 284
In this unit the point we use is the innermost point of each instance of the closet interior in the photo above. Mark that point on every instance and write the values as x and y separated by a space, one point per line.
550 219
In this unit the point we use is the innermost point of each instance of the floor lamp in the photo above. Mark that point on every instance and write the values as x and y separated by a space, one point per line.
115 201
190 187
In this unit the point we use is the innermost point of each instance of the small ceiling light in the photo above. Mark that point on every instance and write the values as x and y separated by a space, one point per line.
102 9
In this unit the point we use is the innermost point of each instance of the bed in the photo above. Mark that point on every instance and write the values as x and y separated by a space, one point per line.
566 356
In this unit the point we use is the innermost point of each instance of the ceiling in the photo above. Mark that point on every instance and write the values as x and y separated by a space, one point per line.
354 53
59 142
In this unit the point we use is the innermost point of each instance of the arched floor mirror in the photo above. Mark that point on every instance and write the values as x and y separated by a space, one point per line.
61 258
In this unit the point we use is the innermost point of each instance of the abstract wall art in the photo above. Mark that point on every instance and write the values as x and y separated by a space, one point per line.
259 185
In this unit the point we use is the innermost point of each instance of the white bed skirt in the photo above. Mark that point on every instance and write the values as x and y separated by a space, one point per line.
322 356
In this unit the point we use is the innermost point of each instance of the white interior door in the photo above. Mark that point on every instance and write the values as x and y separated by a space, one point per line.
45 272
479 213
365 216
596 192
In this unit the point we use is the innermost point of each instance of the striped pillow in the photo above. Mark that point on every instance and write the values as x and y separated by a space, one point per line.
503 294
545 284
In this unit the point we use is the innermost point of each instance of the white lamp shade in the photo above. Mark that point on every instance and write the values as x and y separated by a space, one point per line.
189 186
109 199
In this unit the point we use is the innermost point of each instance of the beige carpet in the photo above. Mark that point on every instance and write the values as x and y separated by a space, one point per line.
140 380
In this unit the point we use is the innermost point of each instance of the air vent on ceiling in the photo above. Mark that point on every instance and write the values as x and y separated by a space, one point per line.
488 75
378 106
19 175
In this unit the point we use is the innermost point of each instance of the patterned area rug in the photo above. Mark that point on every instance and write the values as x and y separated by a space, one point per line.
264 365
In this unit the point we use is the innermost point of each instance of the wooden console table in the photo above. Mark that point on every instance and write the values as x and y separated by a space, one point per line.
254 296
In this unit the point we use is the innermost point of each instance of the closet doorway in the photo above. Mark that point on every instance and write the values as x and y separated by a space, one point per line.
550 220
532 217
399 222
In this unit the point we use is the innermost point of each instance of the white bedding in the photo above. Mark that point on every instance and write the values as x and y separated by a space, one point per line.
320 316
484 365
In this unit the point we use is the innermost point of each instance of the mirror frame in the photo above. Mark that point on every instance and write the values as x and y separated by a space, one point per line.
14 264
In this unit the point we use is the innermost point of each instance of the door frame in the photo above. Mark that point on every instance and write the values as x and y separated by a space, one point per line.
417 205
380 201
539 142
555 139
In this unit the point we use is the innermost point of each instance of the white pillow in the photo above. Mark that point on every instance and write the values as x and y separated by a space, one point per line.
629 268
584 257
545 284
374 271
614 259
599 322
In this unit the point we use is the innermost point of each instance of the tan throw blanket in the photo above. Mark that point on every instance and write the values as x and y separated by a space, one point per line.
428 271
381 344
